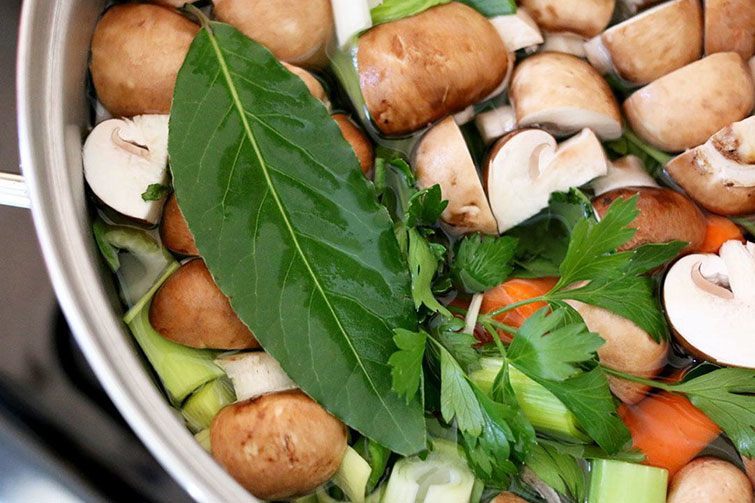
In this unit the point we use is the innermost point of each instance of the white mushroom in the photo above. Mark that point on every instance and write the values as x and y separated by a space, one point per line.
492 124
564 41
710 301
650 45
122 158
720 174
730 26
526 167
563 94
585 17
518 31
254 374
628 171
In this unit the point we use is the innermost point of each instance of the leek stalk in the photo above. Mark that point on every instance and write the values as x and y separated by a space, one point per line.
200 408
621 482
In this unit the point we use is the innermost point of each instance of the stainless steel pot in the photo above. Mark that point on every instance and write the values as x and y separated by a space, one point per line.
53 117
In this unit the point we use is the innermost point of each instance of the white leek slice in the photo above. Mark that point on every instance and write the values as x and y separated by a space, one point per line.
351 18
254 373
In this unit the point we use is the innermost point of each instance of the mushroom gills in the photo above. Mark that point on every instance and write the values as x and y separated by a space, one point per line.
254 374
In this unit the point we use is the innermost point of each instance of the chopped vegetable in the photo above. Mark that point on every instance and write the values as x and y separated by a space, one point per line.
200 408
620 482
718 231
515 291
352 476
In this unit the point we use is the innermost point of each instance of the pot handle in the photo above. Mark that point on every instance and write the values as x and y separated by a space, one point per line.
13 191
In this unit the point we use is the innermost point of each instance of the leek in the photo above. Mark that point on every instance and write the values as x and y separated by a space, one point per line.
200 408
350 17
547 413
352 476
377 456
203 438
620 482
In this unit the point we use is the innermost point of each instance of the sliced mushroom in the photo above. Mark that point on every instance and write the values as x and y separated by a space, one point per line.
665 215
710 301
419 69
632 7
709 479
358 140
190 309
174 230
278 446
585 17
730 26
137 50
652 44
628 171
314 85
518 31
628 348
296 31
507 497
682 109
525 167
564 41
720 174
254 374
122 158
492 124
442 157
563 94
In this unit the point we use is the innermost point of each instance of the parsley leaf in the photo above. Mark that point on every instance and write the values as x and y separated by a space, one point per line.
549 349
560 471
483 262
406 363
457 398
651 256
425 207
394 183
424 259
155 192
448 331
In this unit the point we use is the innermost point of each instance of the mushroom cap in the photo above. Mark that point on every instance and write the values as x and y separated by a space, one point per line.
507 497
654 43
525 167
278 446
627 171
174 229
137 50
254 373
665 215
720 174
419 69
442 157
628 348
730 26
295 31
682 109
518 31
564 41
709 302
709 479
563 94
358 140
750 469
190 309
312 83
585 17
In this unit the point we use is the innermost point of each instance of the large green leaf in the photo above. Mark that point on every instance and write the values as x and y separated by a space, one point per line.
292 232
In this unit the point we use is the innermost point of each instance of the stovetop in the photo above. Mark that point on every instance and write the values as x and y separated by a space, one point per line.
61 439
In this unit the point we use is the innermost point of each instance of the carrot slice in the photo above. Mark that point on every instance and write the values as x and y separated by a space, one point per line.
516 290
668 429
719 230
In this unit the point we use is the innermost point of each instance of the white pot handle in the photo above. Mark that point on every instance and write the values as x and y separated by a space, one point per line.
13 191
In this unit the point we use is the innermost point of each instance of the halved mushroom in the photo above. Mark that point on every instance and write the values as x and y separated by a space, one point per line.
358 140
652 44
122 158
296 31
720 174
710 301
314 85
174 230
628 348
730 26
632 7
190 309
254 374
709 479
682 109
442 157
137 50
627 171
525 167
507 497
564 41
563 94
665 215
585 17
492 124
419 69
518 31
750 469
278 446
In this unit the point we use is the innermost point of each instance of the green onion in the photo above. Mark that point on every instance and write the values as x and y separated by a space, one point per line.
201 407
620 482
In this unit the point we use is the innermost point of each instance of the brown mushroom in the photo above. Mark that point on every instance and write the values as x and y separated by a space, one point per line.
174 230
709 479
442 157
507 497
652 44
190 309
563 94
730 26
665 215
419 69
295 31
137 50
682 109
720 174
314 85
564 41
358 140
750 469
585 17
278 446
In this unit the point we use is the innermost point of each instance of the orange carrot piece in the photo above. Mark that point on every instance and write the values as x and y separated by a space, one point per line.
719 230
668 429
516 290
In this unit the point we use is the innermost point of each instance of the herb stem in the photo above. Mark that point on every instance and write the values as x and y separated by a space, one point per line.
511 307
637 379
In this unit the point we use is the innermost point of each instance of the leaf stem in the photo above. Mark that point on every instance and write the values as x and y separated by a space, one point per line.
640 380
197 13
511 307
